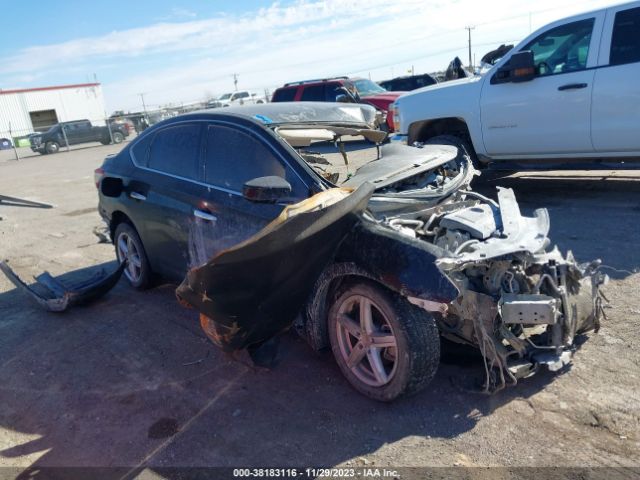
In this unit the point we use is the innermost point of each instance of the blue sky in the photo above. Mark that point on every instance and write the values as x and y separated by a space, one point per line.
183 51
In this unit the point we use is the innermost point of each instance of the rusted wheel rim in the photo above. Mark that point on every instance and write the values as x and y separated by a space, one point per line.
127 250
366 340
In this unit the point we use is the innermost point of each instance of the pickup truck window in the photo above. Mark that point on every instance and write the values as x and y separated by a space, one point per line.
562 49
284 94
313 93
625 42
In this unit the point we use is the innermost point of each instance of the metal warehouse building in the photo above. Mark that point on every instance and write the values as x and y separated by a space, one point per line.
35 109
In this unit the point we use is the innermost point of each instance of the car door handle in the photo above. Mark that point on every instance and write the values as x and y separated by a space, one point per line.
138 196
204 216
572 86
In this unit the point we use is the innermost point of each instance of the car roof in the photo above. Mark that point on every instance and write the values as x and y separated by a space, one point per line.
293 112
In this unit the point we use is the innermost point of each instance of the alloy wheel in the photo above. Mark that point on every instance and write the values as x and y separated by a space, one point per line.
366 340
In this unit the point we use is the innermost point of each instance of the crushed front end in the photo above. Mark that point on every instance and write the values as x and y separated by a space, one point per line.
521 304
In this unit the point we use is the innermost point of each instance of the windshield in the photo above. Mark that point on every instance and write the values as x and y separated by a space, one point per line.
367 87
226 96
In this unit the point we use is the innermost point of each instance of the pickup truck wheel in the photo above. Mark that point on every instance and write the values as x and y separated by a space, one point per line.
117 137
129 247
463 146
52 147
385 346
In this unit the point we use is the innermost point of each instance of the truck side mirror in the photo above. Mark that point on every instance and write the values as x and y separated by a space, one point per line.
266 189
519 68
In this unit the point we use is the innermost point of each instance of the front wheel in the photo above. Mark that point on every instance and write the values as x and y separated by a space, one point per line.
117 137
385 347
52 147
129 247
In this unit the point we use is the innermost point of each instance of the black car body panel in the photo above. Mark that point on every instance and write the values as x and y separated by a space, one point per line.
254 290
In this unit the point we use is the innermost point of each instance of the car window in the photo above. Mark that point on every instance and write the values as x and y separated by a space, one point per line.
313 93
234 157
625 42
140 150
175 150
332 90
284 95
243 95
562 49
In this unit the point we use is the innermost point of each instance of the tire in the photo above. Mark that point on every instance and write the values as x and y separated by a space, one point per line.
52 147
126 240
117 137
464 148
393 371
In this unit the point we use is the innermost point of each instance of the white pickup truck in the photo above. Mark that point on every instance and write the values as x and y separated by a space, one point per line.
241 97
567 94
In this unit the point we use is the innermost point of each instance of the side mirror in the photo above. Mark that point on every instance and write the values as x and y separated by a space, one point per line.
351 98
266 189
519 68
342 98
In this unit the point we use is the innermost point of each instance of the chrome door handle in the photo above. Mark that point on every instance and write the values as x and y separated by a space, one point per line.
138 196
572 86
204 216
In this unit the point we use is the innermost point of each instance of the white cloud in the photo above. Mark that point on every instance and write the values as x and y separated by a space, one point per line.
283 43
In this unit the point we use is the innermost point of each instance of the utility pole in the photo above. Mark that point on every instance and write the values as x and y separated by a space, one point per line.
469 28
235 82
144 107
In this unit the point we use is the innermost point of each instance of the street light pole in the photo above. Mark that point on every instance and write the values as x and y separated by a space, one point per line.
469 28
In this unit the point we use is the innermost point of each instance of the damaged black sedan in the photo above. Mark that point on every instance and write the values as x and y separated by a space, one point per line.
273 216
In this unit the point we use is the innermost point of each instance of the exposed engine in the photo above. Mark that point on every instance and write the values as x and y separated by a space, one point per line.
520 304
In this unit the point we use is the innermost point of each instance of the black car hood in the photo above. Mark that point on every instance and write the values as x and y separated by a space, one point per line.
249 293
399 162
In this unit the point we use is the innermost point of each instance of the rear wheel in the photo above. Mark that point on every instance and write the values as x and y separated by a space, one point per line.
129 247
117 137
52 147
385 347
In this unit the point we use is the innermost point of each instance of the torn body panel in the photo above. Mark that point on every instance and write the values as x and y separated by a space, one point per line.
54 296
253 291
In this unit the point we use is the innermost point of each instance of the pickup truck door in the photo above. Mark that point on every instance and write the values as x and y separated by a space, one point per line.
615 115
549 114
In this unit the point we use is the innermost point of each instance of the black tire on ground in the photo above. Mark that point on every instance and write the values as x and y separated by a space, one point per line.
117 137
105 141
463 146
139 276
414 360
52 147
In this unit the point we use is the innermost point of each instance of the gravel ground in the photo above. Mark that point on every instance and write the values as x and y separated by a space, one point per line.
130 380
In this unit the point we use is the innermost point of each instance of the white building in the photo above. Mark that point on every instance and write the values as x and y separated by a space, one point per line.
27 110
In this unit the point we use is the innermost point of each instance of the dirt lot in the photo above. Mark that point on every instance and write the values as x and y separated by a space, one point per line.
130 380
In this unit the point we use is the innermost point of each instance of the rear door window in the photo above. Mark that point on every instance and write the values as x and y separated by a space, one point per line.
313 93
176 150
234 157
625 41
